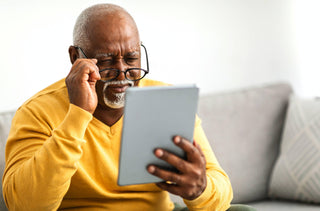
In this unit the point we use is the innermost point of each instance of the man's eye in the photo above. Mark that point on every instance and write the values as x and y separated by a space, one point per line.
132 60
105 62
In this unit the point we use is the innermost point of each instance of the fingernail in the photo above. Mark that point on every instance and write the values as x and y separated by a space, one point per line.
159 153
177 139
151 169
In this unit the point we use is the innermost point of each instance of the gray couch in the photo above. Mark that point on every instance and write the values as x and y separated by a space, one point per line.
246 129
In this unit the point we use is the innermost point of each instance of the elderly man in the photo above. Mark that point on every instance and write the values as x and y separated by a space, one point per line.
63 147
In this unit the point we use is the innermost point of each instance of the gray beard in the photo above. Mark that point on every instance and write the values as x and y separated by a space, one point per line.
120 97
117 103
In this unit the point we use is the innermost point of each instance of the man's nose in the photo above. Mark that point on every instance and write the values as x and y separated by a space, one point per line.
121 65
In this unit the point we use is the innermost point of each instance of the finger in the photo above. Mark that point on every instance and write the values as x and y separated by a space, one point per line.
95 61
91 64
170 187
85 65
165 175
180 190
172 159
80 74
199 148
94 75
84 61
193 154
86 69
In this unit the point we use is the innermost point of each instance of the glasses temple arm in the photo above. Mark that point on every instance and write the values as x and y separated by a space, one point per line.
145 49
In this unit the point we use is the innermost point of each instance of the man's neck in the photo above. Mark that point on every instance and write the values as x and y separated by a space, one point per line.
108 116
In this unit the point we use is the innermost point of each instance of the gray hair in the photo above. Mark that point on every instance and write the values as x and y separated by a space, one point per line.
80 36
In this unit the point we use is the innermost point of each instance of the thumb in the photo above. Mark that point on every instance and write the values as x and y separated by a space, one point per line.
95 61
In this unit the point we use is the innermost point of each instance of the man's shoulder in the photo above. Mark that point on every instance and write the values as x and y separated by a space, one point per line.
48 106
54 93
149 82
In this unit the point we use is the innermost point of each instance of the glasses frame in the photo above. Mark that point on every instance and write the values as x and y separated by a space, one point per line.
124 71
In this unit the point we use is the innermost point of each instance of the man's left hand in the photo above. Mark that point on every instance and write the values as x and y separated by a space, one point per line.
191 179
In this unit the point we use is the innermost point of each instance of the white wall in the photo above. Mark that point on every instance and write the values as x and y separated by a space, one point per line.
218 44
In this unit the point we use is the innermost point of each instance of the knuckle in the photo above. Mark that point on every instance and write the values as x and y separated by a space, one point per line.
190 193
194 150
69 80
181 164
204 161
204 164
86 65
171 178
79 62
174 178
197 173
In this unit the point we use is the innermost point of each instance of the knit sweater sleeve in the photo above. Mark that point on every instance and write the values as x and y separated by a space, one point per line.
218 193
40 160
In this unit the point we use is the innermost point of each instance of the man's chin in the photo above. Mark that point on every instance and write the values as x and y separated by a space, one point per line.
115 93
115 106
116 103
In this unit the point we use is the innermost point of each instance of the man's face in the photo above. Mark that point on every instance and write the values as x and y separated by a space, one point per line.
115 44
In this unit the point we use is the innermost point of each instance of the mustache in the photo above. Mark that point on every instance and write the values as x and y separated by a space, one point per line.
123 82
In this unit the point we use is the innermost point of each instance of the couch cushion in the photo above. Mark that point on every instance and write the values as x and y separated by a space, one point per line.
244 129
283 206
5 122
297 172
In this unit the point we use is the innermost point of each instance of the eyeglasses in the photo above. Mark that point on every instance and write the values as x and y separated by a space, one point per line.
131 74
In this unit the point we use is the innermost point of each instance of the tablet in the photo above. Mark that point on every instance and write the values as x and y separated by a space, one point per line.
152 117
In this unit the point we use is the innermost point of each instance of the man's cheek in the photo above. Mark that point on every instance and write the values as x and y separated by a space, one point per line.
100 91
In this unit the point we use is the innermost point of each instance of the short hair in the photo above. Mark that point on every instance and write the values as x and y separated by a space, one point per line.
80 33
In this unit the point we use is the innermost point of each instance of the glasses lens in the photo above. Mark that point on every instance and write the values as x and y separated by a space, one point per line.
134 74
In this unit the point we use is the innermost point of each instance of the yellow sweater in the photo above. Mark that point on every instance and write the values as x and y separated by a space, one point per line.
59 156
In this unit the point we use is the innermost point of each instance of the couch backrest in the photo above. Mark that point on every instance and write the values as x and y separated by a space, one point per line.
244 129
5 122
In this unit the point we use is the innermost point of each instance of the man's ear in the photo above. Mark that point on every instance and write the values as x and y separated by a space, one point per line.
73 54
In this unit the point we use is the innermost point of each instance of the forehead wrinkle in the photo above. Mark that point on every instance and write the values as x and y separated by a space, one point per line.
104 54
132 52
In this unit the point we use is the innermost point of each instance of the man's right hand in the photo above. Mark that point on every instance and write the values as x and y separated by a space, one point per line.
81 82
